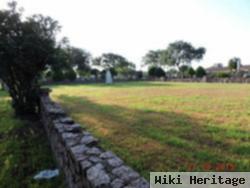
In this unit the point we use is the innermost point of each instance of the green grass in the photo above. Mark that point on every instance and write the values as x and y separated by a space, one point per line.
24 151
159 126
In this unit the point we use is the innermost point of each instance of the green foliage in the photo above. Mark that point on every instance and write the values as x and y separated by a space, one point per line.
70 75
232 64
151 71
200 72
117 62
113 72
58 75
24 151
172 73
154 71
26 47
153 58
95 72
222 74
191 71
179 53
66 59
80 59
184 70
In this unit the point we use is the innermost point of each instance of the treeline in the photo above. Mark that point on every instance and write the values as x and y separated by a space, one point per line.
177 58
70 63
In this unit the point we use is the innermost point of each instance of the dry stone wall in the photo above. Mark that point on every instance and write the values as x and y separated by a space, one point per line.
84 163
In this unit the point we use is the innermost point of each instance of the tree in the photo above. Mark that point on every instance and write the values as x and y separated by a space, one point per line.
26 47
80 58
200 72
181 53
172 73
58 75
184 70
60 67
153 58
114 61
109 60
191 71
233 63
154 71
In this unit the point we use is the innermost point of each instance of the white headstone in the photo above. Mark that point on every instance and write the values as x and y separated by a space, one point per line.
108 77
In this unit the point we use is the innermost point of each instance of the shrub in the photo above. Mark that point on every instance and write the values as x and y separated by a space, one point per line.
200 72
191 72
222 75
156 72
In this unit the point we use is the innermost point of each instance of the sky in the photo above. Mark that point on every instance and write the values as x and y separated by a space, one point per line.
133 27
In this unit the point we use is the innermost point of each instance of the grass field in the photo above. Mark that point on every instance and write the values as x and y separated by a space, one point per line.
156 126
24 151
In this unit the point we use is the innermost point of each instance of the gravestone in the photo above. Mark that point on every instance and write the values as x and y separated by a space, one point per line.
108 77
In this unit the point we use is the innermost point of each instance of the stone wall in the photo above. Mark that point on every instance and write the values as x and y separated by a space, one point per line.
84 163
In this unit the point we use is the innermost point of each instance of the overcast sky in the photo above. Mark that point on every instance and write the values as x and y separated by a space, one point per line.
132 27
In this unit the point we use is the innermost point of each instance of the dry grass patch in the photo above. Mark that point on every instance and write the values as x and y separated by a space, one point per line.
156 126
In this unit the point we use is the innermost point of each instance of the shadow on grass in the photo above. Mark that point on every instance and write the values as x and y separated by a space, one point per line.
115 84
156 141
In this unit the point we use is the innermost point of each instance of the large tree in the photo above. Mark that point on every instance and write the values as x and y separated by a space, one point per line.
181 53
26 47
153 58
61 67
115 61
68 58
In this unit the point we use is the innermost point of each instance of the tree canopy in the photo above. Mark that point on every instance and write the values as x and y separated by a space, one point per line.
26 47
115 61
200 72
153 57
181 53
156 72
80 58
